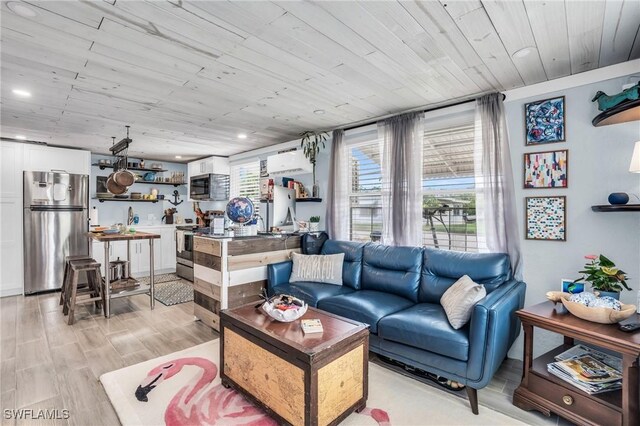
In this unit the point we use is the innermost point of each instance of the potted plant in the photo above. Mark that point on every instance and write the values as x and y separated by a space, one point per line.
604 276
311 143
314 223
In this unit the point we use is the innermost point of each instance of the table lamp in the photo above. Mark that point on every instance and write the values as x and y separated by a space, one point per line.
634 167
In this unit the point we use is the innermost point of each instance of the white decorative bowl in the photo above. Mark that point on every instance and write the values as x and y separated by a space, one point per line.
288 315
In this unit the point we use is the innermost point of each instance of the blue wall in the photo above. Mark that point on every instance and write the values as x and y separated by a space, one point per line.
110 212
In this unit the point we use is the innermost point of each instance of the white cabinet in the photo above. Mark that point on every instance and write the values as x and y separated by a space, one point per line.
217 165
44 159
140 260
169 249
11 271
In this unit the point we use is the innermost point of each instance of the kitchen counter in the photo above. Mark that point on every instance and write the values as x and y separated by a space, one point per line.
232 271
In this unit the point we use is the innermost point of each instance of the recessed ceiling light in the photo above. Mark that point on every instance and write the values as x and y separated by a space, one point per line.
525 51
242 135
21 9
21 93
21 137
318 111
178 156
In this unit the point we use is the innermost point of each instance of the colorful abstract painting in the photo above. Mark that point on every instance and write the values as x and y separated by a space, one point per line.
546 169
546 218
544 121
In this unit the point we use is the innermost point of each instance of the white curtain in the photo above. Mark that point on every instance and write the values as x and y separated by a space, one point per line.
337 220
497 222
401 139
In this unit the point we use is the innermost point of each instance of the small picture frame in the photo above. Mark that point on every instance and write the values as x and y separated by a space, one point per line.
548 169
545 218
544 121
568 286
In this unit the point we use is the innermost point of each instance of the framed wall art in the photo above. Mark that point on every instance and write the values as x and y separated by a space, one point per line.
546 169
545 218
545 121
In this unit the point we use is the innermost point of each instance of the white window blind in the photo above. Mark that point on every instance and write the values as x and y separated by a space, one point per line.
245 181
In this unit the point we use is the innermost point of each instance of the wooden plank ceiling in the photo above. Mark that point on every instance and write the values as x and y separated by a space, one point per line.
189 76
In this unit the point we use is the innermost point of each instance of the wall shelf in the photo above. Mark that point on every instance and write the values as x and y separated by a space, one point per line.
135 169
129 200
299 200
622 113
160 183
616 208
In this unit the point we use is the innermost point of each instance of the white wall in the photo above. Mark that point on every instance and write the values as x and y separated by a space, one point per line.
599 160
303 210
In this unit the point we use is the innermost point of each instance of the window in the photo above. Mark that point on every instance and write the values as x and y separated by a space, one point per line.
245 182
448 188
365 199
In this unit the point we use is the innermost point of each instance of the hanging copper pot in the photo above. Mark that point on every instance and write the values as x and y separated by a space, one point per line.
124 178
113 187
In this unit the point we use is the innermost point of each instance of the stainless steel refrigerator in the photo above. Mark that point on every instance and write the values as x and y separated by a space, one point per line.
56 220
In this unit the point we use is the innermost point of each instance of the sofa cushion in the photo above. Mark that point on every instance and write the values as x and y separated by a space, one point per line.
442 268
365 306
425 326
312 292
394 270
459 299
352 267
318 268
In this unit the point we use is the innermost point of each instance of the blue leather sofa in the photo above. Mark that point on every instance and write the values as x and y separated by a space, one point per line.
397 291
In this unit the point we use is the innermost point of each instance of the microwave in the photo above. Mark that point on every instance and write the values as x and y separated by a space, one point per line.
210 187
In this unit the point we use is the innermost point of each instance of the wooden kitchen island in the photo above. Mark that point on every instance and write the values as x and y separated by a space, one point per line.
230 272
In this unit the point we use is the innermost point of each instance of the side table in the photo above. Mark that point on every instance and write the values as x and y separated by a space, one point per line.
542 391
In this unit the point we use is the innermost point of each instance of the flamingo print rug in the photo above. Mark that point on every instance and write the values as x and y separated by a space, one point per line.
183 388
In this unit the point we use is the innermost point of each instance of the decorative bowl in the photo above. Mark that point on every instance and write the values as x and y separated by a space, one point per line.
598 314
111 231
296 308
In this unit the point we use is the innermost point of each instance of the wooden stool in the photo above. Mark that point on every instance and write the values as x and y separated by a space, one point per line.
94 291
67 271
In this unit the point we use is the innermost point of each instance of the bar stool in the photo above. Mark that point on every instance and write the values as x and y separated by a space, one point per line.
73 295
67 270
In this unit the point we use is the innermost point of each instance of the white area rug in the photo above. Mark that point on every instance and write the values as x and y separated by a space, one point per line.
184 388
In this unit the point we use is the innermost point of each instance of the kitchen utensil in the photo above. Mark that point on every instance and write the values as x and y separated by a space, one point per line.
111 231
113 187
124 177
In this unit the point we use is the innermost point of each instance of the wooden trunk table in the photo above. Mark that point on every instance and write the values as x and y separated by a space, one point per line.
299 379
542 391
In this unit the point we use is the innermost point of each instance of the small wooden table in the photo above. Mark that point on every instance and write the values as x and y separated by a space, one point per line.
542 391
128 237
310 379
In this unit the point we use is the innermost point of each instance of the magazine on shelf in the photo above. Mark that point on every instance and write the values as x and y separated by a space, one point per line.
578 350
586 387
587 369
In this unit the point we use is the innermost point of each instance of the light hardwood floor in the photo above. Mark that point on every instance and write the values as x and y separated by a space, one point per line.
47 364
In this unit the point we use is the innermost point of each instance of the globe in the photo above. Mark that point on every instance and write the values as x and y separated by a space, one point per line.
240 210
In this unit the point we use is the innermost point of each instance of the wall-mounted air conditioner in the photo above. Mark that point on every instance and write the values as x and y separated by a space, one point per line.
288 163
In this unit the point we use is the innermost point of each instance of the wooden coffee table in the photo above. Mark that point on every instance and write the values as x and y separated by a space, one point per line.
299 379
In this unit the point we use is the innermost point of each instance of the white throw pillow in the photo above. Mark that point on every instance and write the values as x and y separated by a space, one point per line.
459 299
317 268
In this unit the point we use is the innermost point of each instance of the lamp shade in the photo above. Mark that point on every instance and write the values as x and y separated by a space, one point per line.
634 167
